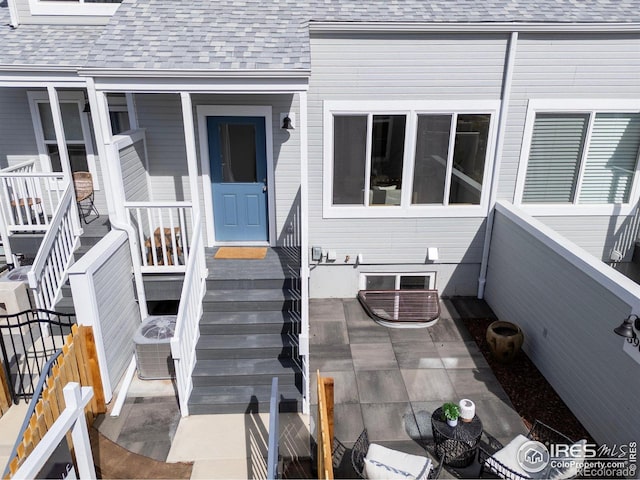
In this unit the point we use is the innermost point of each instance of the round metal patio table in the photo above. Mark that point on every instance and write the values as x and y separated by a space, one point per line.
455 446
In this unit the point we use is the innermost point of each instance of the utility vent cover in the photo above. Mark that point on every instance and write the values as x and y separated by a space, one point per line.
153 348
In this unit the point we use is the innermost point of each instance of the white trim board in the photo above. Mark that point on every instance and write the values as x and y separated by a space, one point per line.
204 111
72 8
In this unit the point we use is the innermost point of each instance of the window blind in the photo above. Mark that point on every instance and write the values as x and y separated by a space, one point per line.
554 158
611 159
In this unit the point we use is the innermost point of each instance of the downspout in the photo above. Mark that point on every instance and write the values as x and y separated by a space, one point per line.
13 12
116 209
497 161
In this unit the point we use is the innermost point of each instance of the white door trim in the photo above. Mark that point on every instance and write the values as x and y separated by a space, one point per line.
204 111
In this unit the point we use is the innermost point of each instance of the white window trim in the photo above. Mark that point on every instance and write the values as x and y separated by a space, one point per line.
36 98
362 281
412 109
590 106
43 7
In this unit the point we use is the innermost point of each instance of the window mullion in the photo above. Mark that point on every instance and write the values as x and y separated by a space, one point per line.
583 158
452 141
367 170
408 164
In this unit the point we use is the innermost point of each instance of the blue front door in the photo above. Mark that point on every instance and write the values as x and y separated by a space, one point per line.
238 158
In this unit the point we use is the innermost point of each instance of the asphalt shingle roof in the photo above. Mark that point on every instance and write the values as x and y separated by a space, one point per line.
259 34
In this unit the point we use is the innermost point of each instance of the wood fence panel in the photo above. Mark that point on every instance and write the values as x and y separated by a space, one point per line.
77 363
325 427
5 398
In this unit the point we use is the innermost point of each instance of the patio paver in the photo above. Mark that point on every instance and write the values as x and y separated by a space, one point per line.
394 379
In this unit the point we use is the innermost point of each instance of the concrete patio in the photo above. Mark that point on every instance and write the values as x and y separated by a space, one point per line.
391 380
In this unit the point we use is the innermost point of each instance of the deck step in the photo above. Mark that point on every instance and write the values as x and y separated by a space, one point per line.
246 371
241 399
252 283
249 299
230 323
245 346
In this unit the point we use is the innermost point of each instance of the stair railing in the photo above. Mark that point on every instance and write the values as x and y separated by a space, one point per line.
55 255
187 331
273 453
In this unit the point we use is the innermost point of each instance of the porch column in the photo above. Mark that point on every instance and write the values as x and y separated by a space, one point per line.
113 185
131 111
102 132
192 157
61 140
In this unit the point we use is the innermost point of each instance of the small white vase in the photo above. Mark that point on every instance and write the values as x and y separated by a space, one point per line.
467 410
452 423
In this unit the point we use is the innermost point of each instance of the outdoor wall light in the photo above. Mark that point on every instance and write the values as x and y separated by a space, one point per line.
288 121
627 329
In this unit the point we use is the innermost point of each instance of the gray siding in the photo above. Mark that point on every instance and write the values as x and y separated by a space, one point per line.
568 317
134 173
572 66
24 15
599 235
118 310
17 139
400 67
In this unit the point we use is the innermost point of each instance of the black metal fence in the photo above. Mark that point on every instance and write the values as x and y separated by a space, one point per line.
28 340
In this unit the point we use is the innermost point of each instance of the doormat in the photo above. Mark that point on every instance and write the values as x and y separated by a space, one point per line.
241 253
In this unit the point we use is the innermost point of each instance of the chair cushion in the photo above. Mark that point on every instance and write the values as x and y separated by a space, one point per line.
384 463
569 466
508 456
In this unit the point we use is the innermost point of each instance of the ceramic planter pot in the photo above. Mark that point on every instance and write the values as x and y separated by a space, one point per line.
452 423
467 410
505 340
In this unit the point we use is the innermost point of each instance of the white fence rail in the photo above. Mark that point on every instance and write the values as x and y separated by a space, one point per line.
55 255
29 198
163 231
187 332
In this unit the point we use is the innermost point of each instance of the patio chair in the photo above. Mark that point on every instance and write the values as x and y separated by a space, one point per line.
503 462
374 461
83 185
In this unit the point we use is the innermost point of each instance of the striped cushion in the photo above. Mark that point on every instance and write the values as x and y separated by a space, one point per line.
384 463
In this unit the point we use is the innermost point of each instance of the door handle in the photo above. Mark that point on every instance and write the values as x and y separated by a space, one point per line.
264 188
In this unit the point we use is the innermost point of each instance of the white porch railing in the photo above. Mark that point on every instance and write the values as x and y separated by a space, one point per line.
29 198
163 234
187 332
55 255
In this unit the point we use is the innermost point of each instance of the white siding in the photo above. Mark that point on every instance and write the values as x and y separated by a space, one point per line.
401 67
134 173
568 317
118 310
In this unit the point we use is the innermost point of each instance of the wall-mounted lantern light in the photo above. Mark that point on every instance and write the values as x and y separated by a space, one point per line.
627 329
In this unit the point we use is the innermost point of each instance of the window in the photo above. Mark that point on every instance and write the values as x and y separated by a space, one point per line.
398 281
408 163
76 131
118 114
581 158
